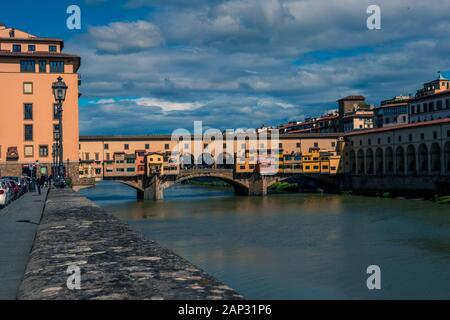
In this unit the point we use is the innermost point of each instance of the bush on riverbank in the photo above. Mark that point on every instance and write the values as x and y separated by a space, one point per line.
443 200
280 187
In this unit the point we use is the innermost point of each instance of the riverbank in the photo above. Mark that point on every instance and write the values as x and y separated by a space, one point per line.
115 262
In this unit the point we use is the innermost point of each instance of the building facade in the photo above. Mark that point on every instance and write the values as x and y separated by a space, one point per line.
421 149
392 112
430 107
99 155
28 67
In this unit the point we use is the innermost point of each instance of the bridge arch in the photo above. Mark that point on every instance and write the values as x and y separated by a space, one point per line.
400 160
352 161
423 159
411 160
389 162
379 163
370 161
361 162
239 188
435 157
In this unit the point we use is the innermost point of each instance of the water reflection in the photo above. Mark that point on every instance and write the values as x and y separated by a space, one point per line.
297 246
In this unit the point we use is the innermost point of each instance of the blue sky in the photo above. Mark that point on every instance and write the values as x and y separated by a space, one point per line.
151 66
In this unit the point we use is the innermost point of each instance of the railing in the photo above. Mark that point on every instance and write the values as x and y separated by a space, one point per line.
206 171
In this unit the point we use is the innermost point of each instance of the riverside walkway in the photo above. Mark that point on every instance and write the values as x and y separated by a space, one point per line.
115 262
18 225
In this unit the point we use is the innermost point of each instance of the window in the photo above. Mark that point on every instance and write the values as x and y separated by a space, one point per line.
108 157
55 111
57 66
27 66
333 144
434 135
439 105
28 111
399 138
410 137
126 147
43 151
28 130
31 48
28 88
299 145
130 170
55 131
28 151
167 147
52 48
97 156
147 146
17 48
87 156
447 104
422 136
379 140
316 144
389 139
106 146
42 66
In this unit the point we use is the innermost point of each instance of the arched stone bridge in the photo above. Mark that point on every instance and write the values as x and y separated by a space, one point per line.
152 188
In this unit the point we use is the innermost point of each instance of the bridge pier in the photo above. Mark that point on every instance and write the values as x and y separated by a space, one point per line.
153 191
258 185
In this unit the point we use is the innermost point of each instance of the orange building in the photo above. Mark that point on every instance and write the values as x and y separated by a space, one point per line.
28 67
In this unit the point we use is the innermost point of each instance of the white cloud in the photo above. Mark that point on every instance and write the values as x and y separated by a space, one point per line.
125 37
165 106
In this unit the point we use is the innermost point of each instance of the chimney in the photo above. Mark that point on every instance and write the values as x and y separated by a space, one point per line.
12 33
2 26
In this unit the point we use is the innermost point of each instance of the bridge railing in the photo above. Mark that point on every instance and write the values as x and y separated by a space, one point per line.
206 171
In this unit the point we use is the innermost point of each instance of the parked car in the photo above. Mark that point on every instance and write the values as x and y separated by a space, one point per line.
20 182
14 187
6 194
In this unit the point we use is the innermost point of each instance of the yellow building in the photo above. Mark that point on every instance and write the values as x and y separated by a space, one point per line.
28 67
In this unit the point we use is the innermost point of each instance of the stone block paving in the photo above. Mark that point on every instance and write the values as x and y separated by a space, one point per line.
116 263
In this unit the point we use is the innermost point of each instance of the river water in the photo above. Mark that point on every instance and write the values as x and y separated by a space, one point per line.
297 246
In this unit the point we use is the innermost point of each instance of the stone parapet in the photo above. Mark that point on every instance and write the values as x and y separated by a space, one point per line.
115 262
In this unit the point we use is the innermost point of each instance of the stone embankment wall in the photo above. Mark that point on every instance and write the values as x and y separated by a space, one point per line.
115 262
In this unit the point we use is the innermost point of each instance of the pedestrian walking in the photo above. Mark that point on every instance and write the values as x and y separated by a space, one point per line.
38 184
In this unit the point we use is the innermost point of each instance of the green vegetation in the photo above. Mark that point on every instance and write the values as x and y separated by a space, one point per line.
443 200
280 187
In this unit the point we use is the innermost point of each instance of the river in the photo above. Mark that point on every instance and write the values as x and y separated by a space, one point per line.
297 246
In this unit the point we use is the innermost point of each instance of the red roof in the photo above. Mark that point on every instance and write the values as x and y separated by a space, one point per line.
37 54
353 98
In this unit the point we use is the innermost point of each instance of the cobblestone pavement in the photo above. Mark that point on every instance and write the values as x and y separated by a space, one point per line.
116 262
18 225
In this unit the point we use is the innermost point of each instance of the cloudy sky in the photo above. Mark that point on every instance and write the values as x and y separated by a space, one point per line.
151 66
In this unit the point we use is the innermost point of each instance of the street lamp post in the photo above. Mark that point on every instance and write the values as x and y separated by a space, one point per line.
59 92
